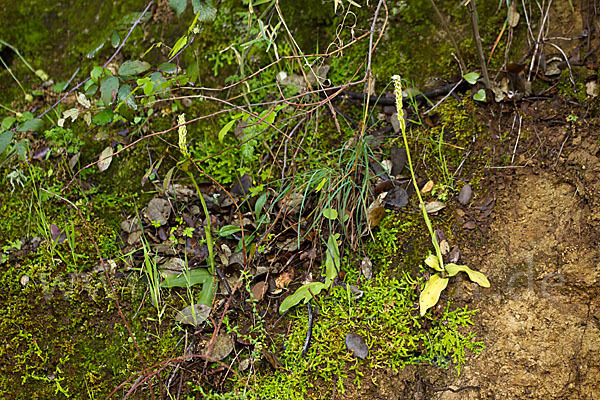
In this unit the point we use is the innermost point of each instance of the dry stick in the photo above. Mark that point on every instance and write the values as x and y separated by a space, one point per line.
475 26
566 60
538 41
463 66
517 142
444 98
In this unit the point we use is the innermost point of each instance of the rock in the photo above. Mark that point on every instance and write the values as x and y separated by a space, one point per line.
356 344
434 206
465 195
397 197
130 225
174 264
193 315
158 210
366 267
395 122
222 346
398 157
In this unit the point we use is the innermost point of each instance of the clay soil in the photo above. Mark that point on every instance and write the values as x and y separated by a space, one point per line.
539 320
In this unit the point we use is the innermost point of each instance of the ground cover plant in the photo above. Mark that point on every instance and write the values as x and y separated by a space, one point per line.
246 200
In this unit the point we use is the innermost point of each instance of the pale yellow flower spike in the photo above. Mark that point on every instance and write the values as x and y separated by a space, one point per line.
398 95
182 135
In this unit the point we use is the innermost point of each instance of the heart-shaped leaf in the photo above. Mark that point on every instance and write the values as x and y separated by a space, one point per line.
475 276
431 293
480 95
471 77
178 6
35 125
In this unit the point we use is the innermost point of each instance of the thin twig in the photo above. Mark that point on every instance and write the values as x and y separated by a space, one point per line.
475 26
517 142
444 98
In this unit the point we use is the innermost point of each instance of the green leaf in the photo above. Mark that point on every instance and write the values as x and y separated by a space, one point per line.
330 213
229 230
188 278
260 203
148 88
126 96
168 68
304 293
115 39
96 73
224 130
480 95
60 86
208 292
332 261
247 241
431 293
34 125
178 45
103 117
5 138
475 276
205 9
433 262
178 6
108 89
21 148
167 179
471 77
8 122
90 88
321 184
134 67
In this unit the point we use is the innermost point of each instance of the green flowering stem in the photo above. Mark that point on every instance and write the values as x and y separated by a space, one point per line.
400 111
209 288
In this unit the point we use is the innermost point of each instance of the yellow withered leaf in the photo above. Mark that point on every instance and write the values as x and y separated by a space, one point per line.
475 276
432 261
431 293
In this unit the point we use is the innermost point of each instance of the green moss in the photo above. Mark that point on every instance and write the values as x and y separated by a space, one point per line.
576 92
386 317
